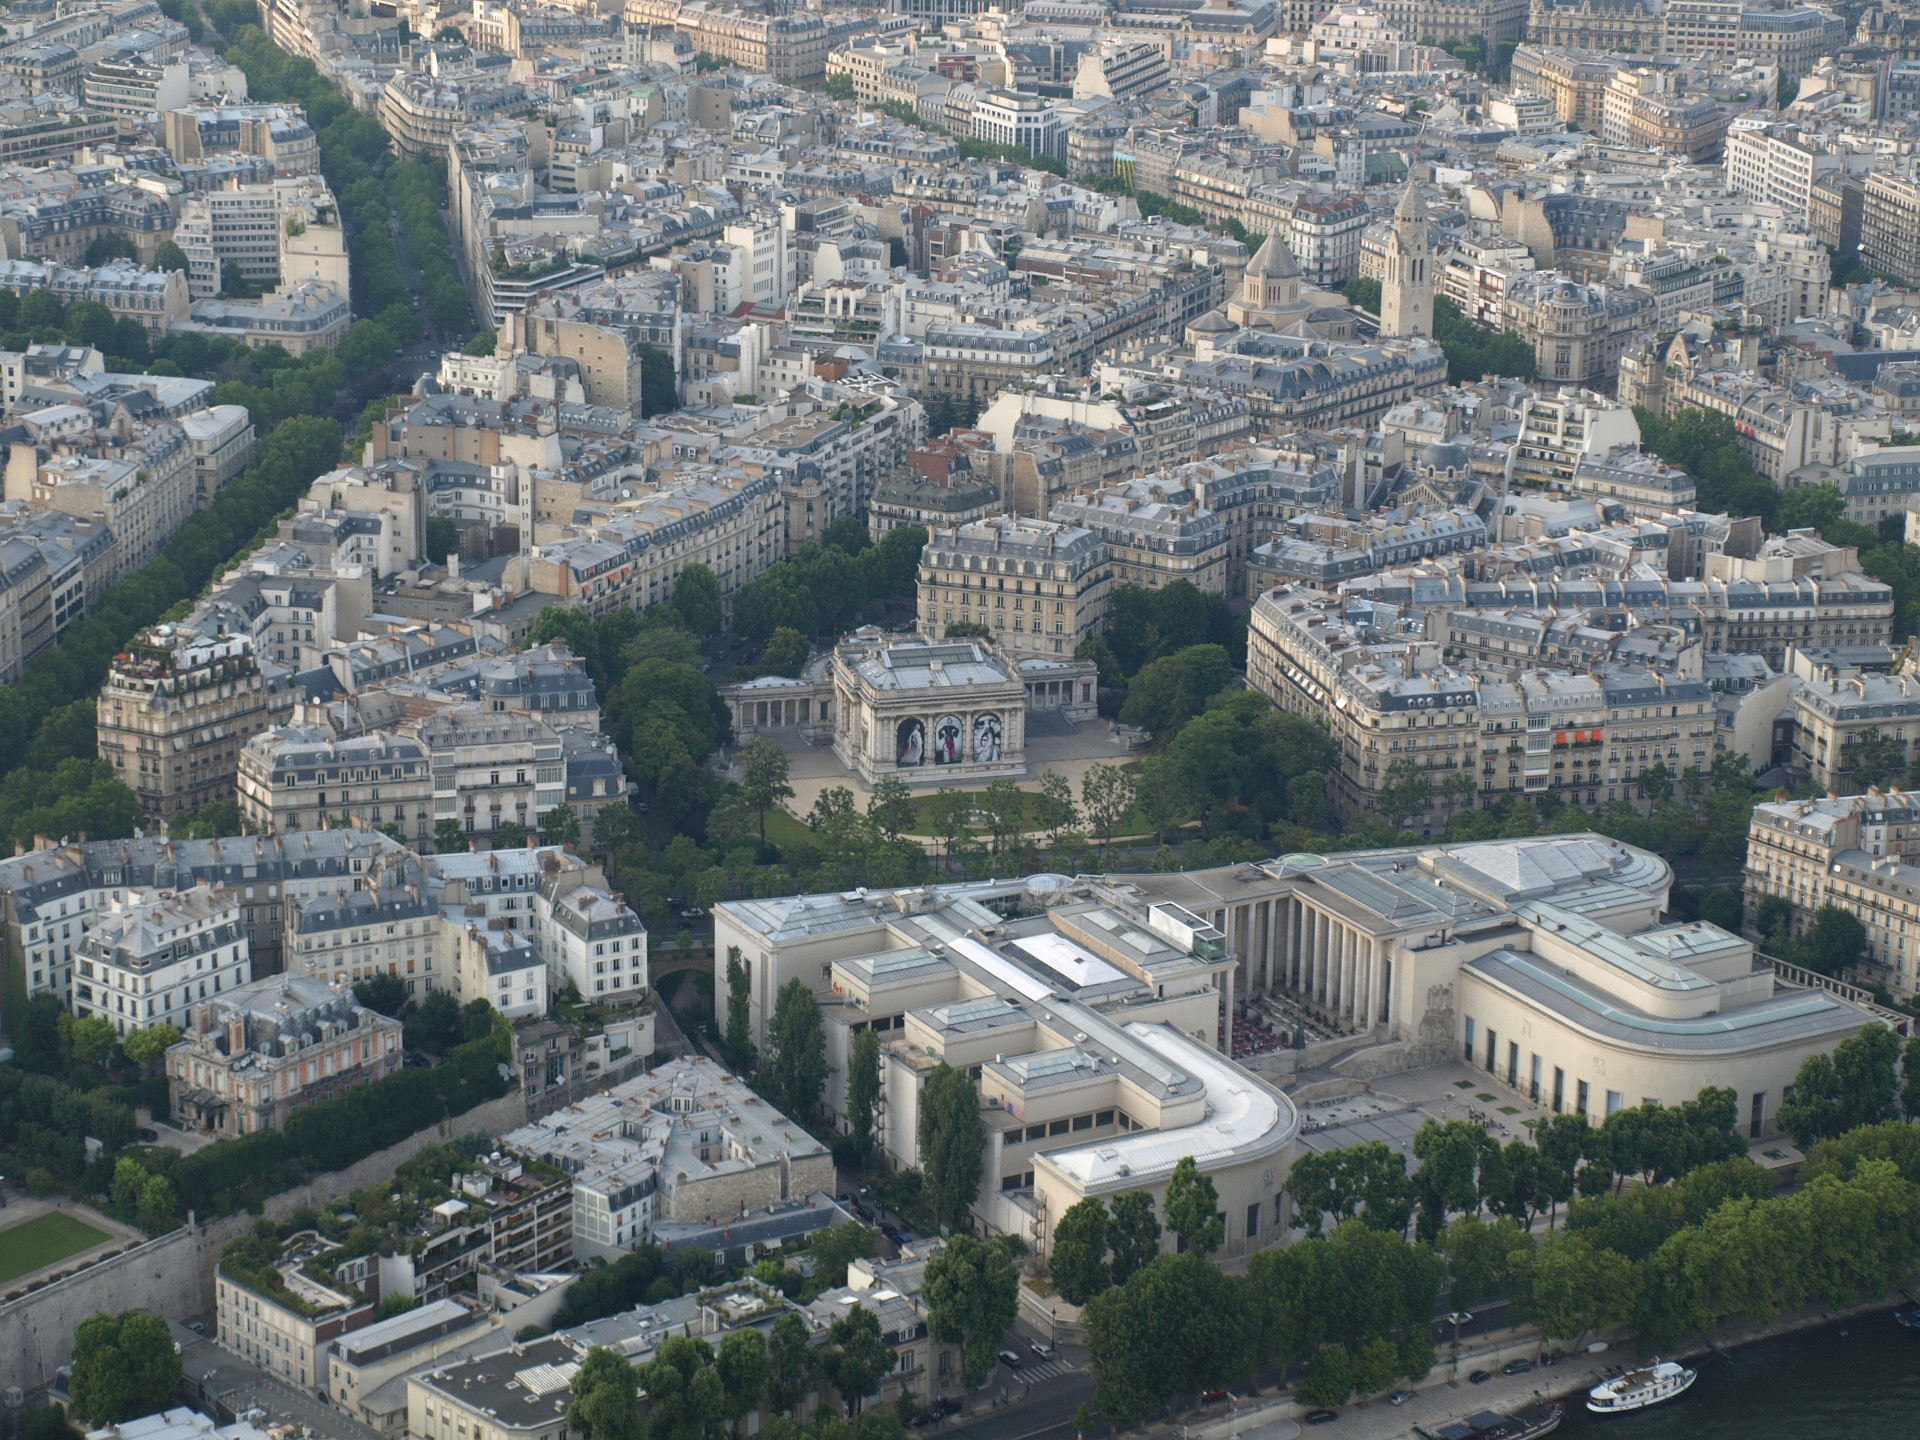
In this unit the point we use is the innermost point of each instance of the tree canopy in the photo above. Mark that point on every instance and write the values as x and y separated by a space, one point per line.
124 1367
952 1137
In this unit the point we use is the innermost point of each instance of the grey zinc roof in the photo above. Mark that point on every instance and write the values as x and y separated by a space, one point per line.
1787 1016
922 666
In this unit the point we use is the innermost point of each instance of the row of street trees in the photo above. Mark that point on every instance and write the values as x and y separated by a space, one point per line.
1702 1237
690 1391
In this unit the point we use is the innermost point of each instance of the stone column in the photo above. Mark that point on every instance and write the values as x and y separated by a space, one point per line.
1343 1002
1322 974
1304 952
1227 1033
1357 959
1296 979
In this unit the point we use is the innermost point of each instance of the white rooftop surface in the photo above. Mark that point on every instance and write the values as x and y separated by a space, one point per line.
398 1327
179 1423
1241 1113
1001 969
1068 960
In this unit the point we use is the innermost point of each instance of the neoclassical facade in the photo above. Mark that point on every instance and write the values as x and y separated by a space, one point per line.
950 712
932 712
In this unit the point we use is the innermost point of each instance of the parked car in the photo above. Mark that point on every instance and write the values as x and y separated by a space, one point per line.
149 1135
1516 1367
1399 1397
1010 1359
1322 1417
1212 1397
1480 1377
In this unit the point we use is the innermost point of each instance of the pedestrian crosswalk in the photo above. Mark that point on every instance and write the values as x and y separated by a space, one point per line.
1032 1373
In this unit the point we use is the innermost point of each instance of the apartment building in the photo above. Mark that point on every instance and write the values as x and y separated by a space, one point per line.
297 318
252 1056
285 1324
157 299
1619 27
1703 27
1643 109
360 1364
312 239
1560 429
792 48
604 329
1441 22
688 1142
220 440
1323 236
50 895
1578 331
1774 163
938 491
1782 428
590 939
238 227
1890 224
277 133
1038 588
1574 81
421 109
489 768
485 959
1856 851
1481 738
1646 485
1834 706
386 925
1291 382
1794 39
177 707
1009 117
1795 591
135 87
1880 483
298 777
137 484
1121 70
1155 534
1323 550
153 954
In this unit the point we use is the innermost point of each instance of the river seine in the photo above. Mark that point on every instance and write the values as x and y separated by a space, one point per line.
1863 1384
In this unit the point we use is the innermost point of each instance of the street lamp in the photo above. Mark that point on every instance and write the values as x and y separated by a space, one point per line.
1459 1318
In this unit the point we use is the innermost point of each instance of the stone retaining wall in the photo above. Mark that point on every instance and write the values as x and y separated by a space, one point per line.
172 1275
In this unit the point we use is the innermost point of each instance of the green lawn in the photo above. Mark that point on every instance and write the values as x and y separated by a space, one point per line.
43 1241
783 829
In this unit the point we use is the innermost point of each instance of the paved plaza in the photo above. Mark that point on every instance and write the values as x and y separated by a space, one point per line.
1398 1105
